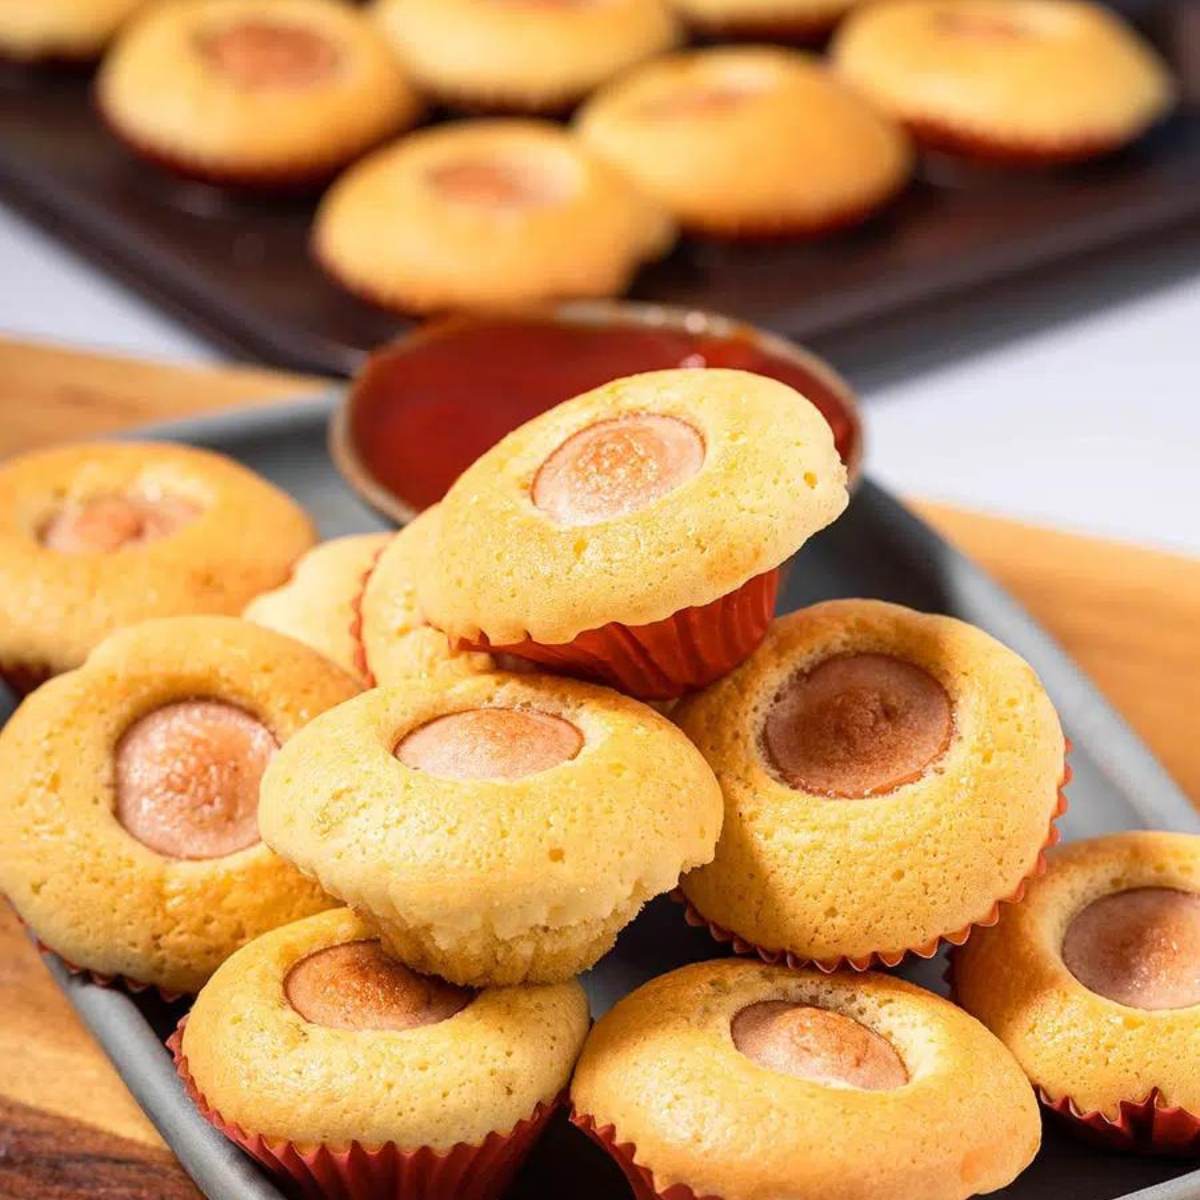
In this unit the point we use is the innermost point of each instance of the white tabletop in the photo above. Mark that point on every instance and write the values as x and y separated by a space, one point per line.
1074 404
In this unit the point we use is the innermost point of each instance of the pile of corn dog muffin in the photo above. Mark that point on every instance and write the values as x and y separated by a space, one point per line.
504 205
379 823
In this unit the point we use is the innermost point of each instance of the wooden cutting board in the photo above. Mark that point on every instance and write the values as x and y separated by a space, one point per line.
68 1128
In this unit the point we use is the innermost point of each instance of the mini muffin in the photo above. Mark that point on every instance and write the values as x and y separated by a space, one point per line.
319 605
634 533
394 641
485 214
254 93
1094 984
522 55
129 797
359 1078
889 777
778 20
498 830
96 536
60 30
748 142
1019 81
743 1081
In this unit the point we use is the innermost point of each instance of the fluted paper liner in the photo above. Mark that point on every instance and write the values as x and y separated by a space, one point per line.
98 977
624 1154
1148 1126
356 621
358 1172
999 150
664 659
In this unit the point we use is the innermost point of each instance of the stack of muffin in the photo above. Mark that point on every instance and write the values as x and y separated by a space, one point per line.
721 141
384 896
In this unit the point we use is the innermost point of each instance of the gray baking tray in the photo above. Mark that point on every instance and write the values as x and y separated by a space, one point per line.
877 549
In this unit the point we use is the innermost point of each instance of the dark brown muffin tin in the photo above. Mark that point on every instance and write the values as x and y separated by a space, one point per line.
239 272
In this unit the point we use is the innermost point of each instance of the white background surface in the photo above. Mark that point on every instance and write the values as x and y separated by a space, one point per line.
1073 403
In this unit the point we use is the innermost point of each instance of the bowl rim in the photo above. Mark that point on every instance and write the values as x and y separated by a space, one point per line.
594 313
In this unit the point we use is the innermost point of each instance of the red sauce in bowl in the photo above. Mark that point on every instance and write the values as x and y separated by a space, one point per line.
425 408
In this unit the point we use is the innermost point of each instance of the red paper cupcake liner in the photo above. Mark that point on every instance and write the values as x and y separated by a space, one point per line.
624 1154
664 659
237 181
99 978
764 231
1009 152
886 958
357 1172
1147 1126
356 621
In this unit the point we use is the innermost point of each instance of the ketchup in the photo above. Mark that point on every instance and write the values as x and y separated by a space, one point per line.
423 410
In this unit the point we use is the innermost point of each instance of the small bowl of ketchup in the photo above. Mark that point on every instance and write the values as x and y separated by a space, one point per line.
426 405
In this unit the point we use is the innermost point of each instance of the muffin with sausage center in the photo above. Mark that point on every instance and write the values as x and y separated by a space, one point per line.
129 798
634 534
344 1070
748 142
254 94
532 56
1024 82
890 777
742 1081
61 30
100 535
1094 984
394 640
485 214
495 830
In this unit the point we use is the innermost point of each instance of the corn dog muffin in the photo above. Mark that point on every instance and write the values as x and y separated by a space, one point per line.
1019 81
496 830
764 20
100 535
485 214
394 640
129 794
889 777
328 1061
748 142
522 55
1094 984
261 94
70 30
319 605
745 1081
642 525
